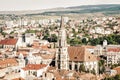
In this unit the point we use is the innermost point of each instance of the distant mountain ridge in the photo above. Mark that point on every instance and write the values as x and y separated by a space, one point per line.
104 9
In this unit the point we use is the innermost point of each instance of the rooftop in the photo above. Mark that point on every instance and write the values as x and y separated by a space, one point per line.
7 62
117 69
114 49
9 41
34 66
80 54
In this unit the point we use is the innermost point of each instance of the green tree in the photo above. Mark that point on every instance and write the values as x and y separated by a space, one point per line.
93 71
75 41
117 77
53 38
84 41
82 68
46 37
112 39
101 66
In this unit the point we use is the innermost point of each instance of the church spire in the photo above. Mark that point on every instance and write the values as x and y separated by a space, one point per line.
62 54
62 23
62 34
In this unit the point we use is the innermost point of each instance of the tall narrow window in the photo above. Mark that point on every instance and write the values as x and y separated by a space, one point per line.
76 67
59 66
70 66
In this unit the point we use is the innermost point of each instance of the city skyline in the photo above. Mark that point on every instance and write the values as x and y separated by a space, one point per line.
12 5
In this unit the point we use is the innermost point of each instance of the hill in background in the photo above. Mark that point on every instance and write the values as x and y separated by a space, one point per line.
111 9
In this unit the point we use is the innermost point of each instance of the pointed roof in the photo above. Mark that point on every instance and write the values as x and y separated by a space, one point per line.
62 22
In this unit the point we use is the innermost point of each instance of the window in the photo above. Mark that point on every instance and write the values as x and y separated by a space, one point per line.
29 72
59 56
70 66
35 73
45 74
59 66
76 67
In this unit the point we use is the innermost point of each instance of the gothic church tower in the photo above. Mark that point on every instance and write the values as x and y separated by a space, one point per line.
62 53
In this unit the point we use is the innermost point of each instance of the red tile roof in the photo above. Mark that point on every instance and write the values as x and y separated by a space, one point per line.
34 66
18 79
89 46
44 46
113 49
8 62
24 53
80 54
117 69
9 41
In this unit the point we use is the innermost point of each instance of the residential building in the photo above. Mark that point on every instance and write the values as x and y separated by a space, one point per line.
35 70
113 54
9 43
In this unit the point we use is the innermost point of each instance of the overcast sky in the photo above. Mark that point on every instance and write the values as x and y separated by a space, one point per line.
6 5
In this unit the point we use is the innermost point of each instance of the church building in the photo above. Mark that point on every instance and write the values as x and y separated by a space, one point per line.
72 57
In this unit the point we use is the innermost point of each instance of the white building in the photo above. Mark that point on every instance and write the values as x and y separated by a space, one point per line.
35 70
9 24
29 37
9 43
113 54
99 30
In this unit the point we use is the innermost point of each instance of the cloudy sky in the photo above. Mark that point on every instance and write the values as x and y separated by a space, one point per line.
6 5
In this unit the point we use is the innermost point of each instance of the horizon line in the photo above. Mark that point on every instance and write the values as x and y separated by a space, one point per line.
53 8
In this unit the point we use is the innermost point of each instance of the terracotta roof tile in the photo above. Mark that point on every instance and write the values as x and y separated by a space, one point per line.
80 54
8 62
57 75
117 69
44 46
89 46
18 79
24 53
113 49
9 41
34 66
